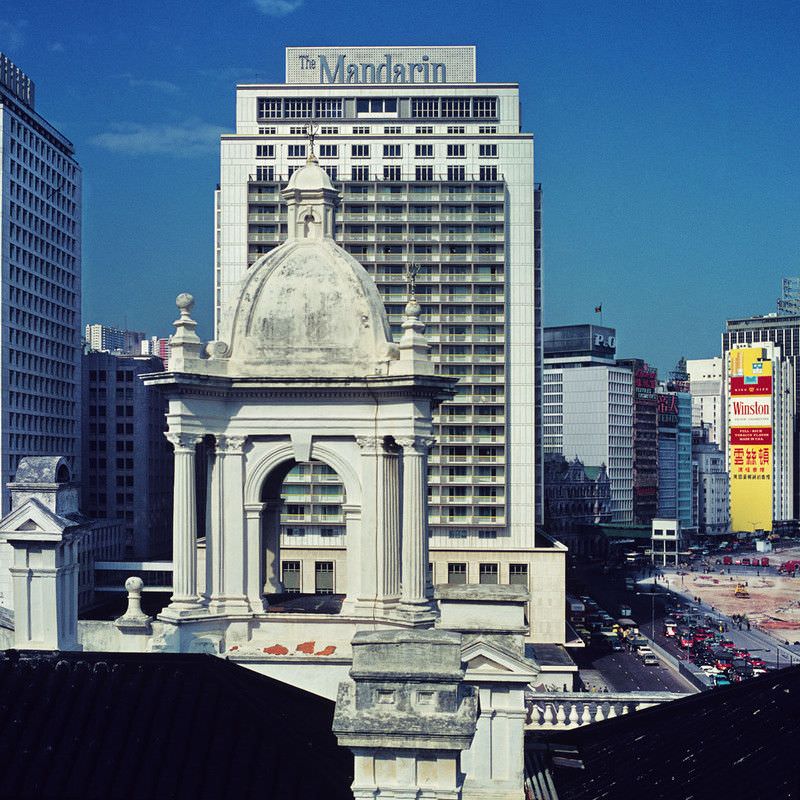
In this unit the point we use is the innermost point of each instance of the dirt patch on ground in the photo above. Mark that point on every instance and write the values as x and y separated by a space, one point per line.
774 602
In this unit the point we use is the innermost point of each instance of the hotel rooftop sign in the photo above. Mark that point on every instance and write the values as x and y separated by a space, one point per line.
380 65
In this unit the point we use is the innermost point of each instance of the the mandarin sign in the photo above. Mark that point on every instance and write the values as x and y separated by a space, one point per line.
387 65
341 70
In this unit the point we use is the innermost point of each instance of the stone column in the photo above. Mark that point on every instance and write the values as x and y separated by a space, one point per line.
185 600
406 714
253 561
270 556
379 545
415 601
231 594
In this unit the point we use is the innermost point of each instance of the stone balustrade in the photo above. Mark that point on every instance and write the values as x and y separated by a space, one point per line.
566 710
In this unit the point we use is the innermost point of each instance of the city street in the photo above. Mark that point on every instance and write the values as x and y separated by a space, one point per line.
623 672
647 609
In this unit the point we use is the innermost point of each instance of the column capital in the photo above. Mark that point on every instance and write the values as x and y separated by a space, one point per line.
418 444
183 440
370 444
231 445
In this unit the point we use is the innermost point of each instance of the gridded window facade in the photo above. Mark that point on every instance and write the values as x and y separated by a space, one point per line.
323 577
291 577
488 573
456 573
298 108
270 107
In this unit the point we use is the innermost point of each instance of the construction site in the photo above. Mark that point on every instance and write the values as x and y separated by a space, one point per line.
767 596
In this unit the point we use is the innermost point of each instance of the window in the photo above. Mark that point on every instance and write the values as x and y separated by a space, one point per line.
328 531
392 129
392 151
360 130
487 172
269 108
265 151
518 574
487 129
298 108
391 173
423 129
359 174
456 106
423 173
455 173
323 577
328 150
359 150
326 108
456 573
376 106
328 130
333 172
297 151
268 131
455 129
456 150
265 173
298 130
422 107
487 573
290 574
483 107
423 150
487 151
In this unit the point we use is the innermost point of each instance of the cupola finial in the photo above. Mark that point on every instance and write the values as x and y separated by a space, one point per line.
311 133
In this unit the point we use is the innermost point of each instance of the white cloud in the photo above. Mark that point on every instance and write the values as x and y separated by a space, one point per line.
12 36
56 47
182 140
166 87
278 8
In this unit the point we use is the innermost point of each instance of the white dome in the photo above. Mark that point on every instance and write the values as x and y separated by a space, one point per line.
309 309
310 178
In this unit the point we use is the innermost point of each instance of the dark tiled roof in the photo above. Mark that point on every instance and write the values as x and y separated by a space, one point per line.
729 743
117 726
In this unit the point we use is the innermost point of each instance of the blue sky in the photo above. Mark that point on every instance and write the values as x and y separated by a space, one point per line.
666 142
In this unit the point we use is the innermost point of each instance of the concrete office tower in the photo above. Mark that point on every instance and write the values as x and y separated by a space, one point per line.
645 440
708 396
435 171
711 487
675 456
760 440
40 251
108 339
588 406
783 331
789 301
127 461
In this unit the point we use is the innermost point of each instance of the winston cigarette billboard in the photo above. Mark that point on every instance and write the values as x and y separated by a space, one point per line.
750 443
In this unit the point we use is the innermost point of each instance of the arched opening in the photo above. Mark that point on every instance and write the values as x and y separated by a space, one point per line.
309 226
303 537
62 474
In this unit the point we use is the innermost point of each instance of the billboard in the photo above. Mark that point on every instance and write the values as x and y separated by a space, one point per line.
750 453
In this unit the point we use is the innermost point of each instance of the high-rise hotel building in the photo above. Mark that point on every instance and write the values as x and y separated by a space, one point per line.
434 170
40 248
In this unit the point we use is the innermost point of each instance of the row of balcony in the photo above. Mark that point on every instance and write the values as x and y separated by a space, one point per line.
435 519
567 710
